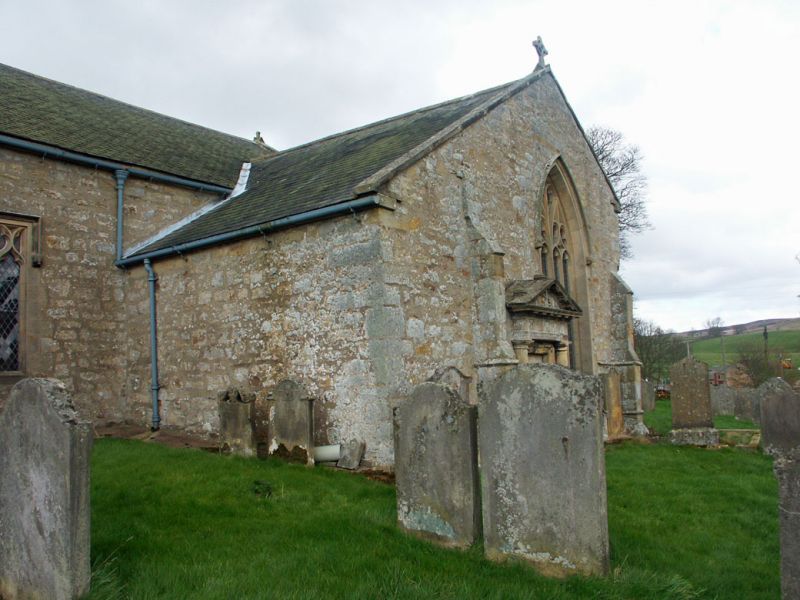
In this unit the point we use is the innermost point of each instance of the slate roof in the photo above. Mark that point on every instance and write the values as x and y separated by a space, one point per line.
329 171
41 110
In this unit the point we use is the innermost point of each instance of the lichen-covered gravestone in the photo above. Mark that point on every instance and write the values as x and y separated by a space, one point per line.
436 468
692 418
780 428
291 423
45 449
648 396
351 454
615 422
543 479
236 426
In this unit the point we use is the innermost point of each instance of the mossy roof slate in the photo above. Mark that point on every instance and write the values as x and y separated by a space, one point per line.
324 172
41 110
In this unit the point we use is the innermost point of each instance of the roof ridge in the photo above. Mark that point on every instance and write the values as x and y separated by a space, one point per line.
388 119
128 104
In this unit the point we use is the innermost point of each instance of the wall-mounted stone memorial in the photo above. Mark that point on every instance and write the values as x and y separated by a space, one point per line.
543 479
291 423
45 452
436 469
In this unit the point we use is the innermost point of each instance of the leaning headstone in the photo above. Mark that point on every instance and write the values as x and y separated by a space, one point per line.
692 418
436 468
780 427
543 479
648 396
291 423
45 452
236 433
615 422
351 454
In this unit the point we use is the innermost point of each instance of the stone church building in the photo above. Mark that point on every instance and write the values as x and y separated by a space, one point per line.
462 237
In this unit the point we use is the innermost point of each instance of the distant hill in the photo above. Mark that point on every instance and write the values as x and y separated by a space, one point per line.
752 327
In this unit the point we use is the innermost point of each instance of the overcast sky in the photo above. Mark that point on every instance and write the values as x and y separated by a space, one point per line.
708 90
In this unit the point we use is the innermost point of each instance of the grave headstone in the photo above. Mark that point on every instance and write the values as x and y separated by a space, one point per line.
780 427
45 451
747 404
615 422
648 396
723 398
692 419
351 454
236 409
543 479
436 469
291 423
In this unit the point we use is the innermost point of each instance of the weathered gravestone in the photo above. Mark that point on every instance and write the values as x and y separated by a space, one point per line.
236 416
543 479
615 422
436 466
780 427
45 449
692 419
291 423
648 396
351 454
747 405
723 398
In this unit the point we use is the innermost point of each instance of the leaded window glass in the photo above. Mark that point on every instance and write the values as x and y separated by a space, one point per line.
10 276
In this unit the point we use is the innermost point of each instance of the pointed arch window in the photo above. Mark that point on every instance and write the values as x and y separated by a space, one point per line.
20 249
555 239
11 263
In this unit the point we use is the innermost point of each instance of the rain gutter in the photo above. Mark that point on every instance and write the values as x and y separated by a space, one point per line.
121 172
351 206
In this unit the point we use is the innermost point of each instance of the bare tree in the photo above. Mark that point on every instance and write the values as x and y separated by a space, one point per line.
621 163
714 327
657 349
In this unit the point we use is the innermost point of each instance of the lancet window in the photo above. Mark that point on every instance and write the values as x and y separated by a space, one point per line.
12 261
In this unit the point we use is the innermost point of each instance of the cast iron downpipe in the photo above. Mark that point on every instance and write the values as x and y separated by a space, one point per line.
121 175
151 284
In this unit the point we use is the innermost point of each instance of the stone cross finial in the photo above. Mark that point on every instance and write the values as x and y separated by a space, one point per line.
541 51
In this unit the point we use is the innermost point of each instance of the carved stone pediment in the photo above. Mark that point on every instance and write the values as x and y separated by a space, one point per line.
540 296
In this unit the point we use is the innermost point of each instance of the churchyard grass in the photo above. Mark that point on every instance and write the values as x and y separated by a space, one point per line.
167 523
659 421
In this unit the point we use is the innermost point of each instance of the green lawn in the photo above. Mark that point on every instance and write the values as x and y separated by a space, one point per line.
659 421
167 523
710 350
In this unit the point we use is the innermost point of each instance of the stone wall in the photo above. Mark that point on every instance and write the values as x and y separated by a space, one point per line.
73 317
307 303
491 178
362 309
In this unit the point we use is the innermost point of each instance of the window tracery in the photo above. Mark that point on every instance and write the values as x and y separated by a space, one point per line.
11 262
